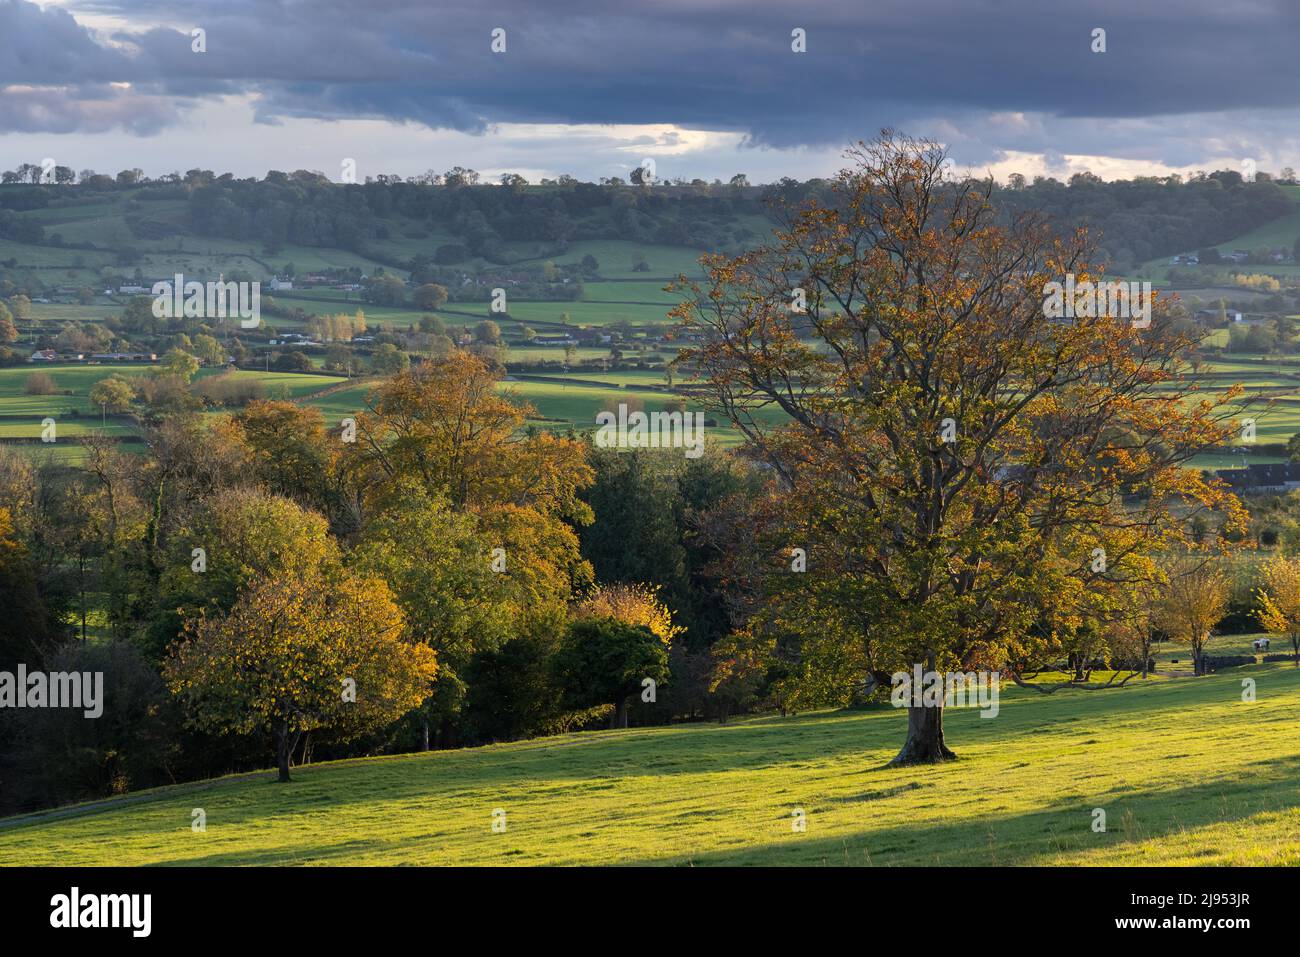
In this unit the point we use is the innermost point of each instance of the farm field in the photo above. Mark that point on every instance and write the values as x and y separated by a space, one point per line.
78 380
520 353
565 404
21 415
74 379
584 313
332 301
651 291
1164 758
617 258
576 406
624 376
67 428
342 403
297 384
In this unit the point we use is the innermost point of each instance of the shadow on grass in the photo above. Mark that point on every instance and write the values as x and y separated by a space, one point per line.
990 840
1027 839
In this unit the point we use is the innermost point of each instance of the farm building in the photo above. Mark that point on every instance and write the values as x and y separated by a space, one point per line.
124 357
1280 477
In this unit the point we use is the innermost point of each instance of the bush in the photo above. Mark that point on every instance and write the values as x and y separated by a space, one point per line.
1225 661
292 362
510 694
41 383
229 390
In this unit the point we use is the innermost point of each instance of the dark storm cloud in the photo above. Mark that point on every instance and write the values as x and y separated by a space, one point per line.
720 65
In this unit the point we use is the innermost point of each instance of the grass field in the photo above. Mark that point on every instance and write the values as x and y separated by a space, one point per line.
629 291
584 313
571 405
617 258
1186 772
342 403
77 380
21 415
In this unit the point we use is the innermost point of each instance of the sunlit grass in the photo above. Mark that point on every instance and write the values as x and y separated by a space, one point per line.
1186 772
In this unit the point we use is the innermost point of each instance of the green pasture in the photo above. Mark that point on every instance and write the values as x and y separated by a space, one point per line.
1184 769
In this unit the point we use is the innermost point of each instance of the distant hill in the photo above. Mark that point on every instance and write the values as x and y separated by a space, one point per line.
107 230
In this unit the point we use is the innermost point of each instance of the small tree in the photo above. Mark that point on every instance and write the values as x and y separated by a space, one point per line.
429 297
605 661
1195 600
1279 600
20 306
113 394
389 360
178 363
1135 622
296 654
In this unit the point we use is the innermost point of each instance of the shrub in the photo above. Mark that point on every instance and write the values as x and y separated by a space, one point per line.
229 390
41 383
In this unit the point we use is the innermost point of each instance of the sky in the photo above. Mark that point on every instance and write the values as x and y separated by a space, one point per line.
705 88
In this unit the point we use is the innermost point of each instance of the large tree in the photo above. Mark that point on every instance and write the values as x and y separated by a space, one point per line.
234 540
29 630
297 653
290 451
446 425
946 456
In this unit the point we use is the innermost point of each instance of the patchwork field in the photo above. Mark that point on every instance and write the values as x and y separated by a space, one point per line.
1186 772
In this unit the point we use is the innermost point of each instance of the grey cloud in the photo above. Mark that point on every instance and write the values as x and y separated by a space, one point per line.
720 65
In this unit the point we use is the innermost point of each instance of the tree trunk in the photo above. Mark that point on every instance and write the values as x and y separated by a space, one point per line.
1075 661
619 718
282 745
924 744
424 732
